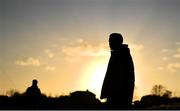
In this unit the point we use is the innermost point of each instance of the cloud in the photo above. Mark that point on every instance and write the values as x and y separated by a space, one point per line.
82 48
173 67
136 47
80 40
164 50
164 58
28 62
160 68
50 68
176 55
177 43
173 57
178 49
49 53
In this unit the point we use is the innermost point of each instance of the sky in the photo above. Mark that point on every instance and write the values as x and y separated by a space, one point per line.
64 43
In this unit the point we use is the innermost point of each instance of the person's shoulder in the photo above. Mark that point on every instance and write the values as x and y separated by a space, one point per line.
125 45
125 48
29 88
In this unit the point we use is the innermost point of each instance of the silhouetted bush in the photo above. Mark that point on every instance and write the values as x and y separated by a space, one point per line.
157 102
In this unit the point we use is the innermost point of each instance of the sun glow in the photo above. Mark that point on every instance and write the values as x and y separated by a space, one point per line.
94 75
97 77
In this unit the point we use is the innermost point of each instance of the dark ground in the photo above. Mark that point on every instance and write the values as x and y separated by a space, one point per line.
82 100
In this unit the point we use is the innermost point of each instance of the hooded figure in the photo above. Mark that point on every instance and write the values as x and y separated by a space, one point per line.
118 85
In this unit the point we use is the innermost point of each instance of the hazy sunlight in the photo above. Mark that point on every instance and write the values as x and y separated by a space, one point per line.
94 76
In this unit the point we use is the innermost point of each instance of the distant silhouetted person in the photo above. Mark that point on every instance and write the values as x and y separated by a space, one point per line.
33 95
118 84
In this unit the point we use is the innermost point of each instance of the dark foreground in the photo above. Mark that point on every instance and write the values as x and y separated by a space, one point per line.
82 100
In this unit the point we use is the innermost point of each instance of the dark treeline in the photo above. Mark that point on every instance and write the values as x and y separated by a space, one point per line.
32 98
82 100
76 100
157 102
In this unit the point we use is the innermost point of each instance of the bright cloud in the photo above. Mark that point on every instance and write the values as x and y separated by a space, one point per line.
49 53
177 43
164 58
28 62
173 67
172 55
136 47
82 48
164 50
176 55
50 68
160 68
178 49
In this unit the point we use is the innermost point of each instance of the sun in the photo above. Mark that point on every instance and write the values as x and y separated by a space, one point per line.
95 73
97 76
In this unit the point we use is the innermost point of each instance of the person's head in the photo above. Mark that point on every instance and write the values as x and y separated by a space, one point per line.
34 82
115 41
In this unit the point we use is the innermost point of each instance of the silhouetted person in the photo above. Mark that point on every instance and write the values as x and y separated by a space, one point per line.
33 95
118 84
